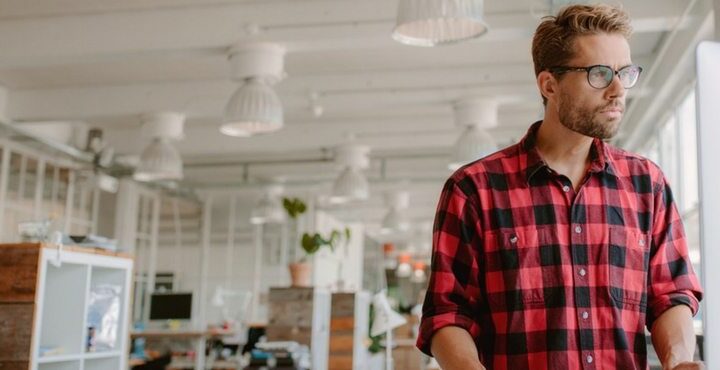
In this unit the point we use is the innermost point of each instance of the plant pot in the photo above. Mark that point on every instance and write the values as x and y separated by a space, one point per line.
300 274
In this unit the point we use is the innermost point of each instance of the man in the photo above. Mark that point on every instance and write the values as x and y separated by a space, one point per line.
557 252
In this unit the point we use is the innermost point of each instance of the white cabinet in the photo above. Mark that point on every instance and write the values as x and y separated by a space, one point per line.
60 295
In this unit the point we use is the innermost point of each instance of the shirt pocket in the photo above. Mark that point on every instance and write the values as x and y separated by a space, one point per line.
628 256
513 273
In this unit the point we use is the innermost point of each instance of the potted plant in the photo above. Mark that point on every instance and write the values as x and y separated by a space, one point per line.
311 243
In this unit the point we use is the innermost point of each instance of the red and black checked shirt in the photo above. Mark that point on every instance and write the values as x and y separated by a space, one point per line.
543 277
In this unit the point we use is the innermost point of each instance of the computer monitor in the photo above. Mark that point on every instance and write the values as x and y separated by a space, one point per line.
171 306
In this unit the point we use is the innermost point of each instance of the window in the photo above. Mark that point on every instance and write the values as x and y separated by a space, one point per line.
669 152
687 127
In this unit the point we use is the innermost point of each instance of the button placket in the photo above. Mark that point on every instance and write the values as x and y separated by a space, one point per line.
582 283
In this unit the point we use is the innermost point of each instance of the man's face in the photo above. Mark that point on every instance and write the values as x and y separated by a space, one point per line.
584 109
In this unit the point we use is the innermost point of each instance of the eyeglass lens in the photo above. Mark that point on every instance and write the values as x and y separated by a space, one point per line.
601 77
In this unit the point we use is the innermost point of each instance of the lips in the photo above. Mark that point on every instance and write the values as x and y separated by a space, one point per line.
613 110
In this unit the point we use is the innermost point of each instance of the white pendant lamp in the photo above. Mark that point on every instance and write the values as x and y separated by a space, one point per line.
396 219
269 209
418 275
160 160
351 184
404 269
438 22
475 116
255 107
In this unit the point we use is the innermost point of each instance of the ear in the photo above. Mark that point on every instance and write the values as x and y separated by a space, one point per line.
548 85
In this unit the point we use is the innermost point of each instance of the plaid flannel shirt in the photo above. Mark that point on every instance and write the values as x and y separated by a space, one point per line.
543 277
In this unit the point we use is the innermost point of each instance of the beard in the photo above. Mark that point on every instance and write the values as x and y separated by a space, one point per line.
588 121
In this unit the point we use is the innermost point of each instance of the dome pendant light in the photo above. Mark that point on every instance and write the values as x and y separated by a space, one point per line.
255 107
438 22
475 116
160 161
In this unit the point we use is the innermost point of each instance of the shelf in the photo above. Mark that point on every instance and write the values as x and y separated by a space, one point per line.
102 354
59 358
64 365
61 295
78 356
106 363
63 307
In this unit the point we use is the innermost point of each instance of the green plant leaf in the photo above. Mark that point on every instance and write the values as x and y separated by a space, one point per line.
309 243
294 207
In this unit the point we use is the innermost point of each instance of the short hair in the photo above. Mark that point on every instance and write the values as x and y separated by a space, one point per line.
553 42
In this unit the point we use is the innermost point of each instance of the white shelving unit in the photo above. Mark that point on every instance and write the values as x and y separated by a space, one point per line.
64 282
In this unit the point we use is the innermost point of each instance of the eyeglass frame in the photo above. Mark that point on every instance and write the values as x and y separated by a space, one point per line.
565 69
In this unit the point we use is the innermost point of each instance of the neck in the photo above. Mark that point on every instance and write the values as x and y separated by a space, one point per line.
560 145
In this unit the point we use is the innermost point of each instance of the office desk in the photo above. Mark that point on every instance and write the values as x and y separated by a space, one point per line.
181 334
199 336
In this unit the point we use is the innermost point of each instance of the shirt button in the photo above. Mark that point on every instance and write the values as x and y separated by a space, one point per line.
566 188
585 315
589 359
578 229
642 242
582 272
513 239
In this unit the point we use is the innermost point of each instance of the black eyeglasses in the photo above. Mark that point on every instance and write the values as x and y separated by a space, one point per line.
600 76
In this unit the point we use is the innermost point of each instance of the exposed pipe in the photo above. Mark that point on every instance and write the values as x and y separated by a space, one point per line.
19 134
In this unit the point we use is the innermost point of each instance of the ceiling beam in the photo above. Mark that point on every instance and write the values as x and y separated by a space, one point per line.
300 25
208 99
380 134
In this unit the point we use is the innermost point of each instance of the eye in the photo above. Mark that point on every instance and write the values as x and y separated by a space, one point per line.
604 73
629 71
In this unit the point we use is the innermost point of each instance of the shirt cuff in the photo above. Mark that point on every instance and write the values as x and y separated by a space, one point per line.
431 324
666 301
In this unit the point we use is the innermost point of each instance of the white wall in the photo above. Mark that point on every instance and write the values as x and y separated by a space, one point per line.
186 265
346 262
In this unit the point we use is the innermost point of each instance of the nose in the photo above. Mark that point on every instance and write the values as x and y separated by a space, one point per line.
616 89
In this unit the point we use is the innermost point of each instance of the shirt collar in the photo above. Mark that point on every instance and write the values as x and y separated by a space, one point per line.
601 160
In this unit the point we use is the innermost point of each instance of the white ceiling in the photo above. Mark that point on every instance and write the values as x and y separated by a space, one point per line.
106 62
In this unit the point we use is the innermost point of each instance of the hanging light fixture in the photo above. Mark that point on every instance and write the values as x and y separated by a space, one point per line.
475 116
269 209
389 260
396 219
438 22
351 184
418 274
404 268
160 161
255 107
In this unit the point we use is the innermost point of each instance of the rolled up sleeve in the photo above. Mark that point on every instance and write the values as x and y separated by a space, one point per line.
672 280
454 291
